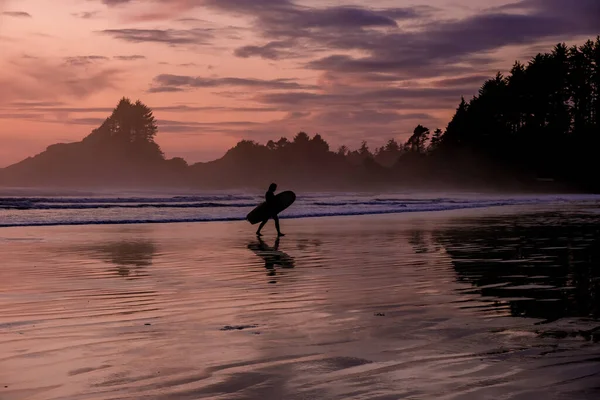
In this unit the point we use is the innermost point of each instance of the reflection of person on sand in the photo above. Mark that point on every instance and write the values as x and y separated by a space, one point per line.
270 200
126 255
271 255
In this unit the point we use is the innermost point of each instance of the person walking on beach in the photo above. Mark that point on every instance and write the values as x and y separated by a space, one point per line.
270 199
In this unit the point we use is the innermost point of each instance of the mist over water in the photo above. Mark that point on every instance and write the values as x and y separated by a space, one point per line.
131 208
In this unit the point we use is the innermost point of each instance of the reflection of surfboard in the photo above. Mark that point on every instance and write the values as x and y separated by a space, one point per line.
282 201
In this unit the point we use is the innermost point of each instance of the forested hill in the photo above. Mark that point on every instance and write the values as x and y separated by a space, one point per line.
544 117
121 152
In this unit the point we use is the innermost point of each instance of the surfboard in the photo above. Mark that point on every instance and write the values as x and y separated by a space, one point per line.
282 201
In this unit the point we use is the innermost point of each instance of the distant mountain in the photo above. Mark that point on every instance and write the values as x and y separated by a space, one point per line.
120 153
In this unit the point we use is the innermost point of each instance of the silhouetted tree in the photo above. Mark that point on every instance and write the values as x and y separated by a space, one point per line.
581 86
516 109
318 145
283 142
457 129
364 151
129 132
301 138
132 122
358 157
389 154
435 140
392 146
595 57
343 150
416 143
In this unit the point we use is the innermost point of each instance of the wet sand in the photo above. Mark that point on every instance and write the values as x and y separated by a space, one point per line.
475 304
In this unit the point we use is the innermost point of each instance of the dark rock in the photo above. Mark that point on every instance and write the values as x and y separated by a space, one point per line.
237 327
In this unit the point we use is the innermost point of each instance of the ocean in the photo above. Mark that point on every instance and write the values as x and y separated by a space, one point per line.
132 208
498 297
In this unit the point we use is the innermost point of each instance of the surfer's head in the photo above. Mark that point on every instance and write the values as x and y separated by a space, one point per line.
273 187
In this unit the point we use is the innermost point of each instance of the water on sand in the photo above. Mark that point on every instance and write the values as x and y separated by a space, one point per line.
458 305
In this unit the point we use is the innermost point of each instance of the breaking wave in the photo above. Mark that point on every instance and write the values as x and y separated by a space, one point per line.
48 211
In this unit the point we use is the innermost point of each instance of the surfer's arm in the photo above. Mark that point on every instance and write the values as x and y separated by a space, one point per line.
269 197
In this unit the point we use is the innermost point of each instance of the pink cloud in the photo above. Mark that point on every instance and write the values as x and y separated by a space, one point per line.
39 79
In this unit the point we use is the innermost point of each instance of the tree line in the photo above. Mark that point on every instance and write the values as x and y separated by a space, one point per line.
543 117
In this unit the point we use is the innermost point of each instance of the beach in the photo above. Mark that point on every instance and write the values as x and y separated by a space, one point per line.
486 303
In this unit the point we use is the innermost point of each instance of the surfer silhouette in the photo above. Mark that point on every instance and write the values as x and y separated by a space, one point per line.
270 200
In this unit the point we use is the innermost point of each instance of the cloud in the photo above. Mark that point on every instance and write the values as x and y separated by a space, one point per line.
292 30
471 80
176 83
86 14
419 53
112 3
338 17
274 50
355 97
18 116
191 20
166 89
284 20
58 108
32 80
95 122
285 12
174 126
586 12
84 60
444 50
451 42
35 104
62 119
171 37
133 57
365 117
17 14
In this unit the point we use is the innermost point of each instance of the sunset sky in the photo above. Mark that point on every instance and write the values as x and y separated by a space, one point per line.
217 71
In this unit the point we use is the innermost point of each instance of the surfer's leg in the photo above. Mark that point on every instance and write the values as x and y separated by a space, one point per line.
276 219
262 224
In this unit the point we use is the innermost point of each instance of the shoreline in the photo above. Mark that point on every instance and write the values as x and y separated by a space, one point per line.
393 216
290 217
207 207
